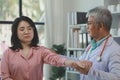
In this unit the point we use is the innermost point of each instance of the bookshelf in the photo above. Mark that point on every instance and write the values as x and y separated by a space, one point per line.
77 40
114 7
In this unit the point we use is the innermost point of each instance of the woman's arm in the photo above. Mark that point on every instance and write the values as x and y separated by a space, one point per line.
5 74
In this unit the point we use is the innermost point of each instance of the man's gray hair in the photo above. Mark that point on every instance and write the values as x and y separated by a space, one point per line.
101 15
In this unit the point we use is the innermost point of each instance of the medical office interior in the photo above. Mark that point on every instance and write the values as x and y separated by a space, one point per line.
53 19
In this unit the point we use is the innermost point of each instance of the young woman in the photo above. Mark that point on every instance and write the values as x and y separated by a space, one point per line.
24 59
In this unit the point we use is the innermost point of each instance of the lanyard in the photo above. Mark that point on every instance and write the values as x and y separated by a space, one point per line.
100 55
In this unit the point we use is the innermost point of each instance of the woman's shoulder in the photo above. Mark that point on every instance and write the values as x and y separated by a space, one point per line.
8 52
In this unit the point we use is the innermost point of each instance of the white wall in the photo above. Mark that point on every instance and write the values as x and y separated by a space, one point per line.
56 21
81 5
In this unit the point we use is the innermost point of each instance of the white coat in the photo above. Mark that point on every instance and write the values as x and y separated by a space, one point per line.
106 69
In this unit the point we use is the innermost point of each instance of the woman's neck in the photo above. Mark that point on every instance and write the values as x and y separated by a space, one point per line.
25 45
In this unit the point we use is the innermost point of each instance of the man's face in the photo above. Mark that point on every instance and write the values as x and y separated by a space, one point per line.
92 28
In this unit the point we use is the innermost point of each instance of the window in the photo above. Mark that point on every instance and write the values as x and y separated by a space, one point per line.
10 9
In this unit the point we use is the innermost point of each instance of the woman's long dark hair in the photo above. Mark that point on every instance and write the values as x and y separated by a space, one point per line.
15 42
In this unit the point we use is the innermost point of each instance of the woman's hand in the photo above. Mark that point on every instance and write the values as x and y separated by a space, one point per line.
82 66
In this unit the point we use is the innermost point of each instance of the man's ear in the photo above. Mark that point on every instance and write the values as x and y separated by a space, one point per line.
102 26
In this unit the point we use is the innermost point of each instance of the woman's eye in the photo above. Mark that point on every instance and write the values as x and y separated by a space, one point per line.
21 29
30 28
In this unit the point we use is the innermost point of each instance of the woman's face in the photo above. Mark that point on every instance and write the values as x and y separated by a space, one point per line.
25 32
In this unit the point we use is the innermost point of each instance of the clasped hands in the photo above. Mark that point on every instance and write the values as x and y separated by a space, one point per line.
82 66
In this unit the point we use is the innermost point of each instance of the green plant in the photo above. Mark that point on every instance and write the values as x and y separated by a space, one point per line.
58 72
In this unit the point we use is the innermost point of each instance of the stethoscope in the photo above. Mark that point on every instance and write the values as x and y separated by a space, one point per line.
99 57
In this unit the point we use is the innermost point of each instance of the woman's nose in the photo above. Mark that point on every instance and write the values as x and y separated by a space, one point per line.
26 30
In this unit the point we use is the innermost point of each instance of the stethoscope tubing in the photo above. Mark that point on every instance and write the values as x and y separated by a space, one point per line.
99 58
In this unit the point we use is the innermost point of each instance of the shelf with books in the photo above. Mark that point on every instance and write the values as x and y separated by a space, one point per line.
77 39
77 36
74 53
